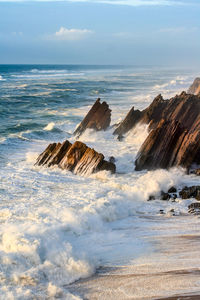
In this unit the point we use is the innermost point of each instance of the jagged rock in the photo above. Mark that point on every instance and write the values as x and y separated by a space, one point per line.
194 208
195 87
152 114
175 138
98 118
77 158
190 192
132 118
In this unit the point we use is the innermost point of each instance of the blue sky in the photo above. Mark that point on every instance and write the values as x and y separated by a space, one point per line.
142 32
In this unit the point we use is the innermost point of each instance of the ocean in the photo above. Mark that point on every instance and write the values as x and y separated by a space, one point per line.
56 227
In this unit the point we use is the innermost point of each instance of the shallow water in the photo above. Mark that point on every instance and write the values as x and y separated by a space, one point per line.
57 227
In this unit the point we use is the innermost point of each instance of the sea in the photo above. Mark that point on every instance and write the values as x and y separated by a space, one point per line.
59 231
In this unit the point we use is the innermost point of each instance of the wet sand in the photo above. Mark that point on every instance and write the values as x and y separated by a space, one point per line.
171 271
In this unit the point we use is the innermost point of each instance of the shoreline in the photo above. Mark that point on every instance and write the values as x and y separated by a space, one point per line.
170 272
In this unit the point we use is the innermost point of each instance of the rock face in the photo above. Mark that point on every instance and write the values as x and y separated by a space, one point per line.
175 136
195 87
98 118
151 114
77 158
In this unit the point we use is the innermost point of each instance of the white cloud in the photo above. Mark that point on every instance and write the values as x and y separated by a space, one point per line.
178 30
66 34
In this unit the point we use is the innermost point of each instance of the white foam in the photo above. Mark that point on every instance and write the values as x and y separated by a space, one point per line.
50 126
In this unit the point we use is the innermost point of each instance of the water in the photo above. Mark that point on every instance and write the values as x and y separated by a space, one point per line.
57 227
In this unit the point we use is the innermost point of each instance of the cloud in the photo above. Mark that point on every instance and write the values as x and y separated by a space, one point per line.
65 34
178 30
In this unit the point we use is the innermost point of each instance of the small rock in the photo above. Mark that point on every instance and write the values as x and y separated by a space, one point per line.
161 211
165 196
112 159
172 190
194 208
151 197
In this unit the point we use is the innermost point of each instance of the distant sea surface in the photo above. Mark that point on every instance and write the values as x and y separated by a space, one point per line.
55 227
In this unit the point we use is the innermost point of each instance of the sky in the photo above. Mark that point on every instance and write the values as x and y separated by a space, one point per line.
126 32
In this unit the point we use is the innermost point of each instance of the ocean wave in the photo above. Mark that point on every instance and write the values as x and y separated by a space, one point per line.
50 126
1 78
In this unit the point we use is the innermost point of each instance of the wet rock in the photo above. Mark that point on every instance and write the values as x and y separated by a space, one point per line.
195 87
174 139
151 115
194 208
172 190
98 118
112 159
197 172
151 197
190 192
77 158
165 196
132 118
161 211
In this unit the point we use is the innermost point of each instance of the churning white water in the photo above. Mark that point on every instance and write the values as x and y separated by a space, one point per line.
56 227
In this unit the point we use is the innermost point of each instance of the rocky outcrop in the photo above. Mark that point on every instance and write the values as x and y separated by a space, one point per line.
77 158
152 114
195 87
175 138
98 118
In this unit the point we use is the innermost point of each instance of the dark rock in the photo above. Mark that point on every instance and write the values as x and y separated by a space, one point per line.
112 159
98 118
151 197
174 196
194 208
172 190
195 87
161 212
77 158
165 196
152 115
190 192
174 140
132 118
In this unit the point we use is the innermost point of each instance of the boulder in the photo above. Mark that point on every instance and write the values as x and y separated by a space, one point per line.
194 208
98 118
190 192
195 87
77 158
174 139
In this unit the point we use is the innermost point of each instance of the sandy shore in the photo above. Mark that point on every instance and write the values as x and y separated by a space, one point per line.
170 270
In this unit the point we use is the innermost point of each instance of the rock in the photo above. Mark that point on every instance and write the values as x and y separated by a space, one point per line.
197 172
165 196
194 208
172 190
174 139
190 192
195 87
77 158
132 118
151 197
112 159
151 114
98 118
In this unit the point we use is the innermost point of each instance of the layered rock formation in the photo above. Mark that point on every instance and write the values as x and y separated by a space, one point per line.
98 118
195 87
151 114
77 158
175 137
